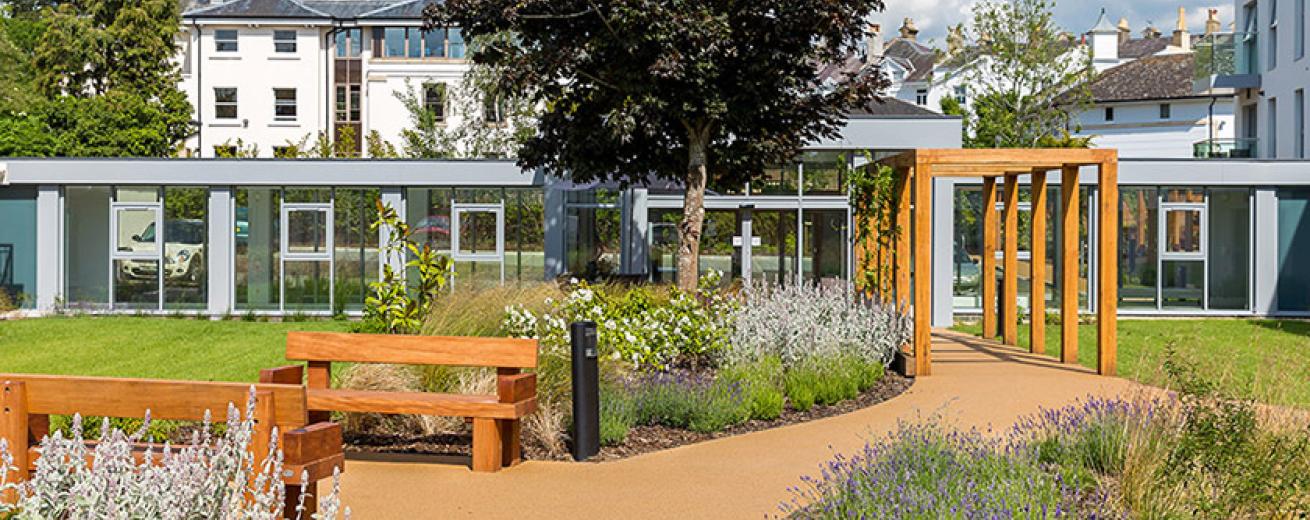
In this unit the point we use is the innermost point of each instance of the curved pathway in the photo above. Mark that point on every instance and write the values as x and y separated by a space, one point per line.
974 384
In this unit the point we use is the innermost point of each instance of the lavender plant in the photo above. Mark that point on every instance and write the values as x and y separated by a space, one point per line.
209 478
800 322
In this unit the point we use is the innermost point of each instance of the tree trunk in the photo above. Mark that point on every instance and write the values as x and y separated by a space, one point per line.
693 209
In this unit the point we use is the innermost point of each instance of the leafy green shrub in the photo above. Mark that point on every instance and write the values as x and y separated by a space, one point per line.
828 381
761 386
617 416
390 306
638 325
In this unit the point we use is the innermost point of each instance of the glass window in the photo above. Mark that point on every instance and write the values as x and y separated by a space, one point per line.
258 249
1109 114
1273 130
455 42
284 104
1183 284
86 243
428 215
18 245
225 40
434 43
394 40
1182 230
825 256
773 259
716 244
307 233
307 286
1138 213
350 43
1293 250
525 227
354 103
434 100
415 37
824 172
284 41
1298 123
1273 35
1229 248
355 246
593 227
186 247
1166 111
966 266
777 181
343 114
225 103
664 244
493 109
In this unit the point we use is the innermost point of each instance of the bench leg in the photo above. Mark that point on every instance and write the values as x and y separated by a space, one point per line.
292 500
510 436
487 445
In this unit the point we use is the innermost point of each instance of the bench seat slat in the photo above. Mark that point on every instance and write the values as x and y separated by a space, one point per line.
418 403
412 350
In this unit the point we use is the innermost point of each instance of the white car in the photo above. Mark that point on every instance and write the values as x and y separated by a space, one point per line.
184 253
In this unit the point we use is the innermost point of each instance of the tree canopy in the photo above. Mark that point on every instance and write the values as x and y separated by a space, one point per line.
92 78
702 92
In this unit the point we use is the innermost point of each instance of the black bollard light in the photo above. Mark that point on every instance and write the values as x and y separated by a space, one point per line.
586 391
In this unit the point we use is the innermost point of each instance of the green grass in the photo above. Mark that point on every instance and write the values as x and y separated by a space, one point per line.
1268 360
161 348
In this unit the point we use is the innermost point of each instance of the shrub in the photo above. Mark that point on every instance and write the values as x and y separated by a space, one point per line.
761 386
637 325
923 471
212 478
689 401
796 322
618 414
830 380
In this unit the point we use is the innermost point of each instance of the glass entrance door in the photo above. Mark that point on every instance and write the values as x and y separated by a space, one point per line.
477 244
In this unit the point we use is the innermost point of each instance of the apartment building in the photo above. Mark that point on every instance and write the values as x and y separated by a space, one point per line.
275 73
1271 72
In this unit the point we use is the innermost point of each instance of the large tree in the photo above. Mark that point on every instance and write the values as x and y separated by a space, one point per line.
1027 81
98 80
704 92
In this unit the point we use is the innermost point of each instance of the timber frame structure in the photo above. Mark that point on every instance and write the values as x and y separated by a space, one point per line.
915 170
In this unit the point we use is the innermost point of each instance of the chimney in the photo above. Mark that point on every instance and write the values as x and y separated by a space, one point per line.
909 31
954 39
1150 32
1212 24
1125 32
1182 39
873 46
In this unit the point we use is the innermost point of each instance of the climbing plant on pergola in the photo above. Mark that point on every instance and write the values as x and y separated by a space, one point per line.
911 249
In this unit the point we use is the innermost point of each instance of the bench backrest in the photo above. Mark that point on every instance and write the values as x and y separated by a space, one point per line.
175 400
412 350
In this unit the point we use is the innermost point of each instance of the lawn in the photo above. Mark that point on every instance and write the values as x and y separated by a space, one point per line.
163 348
1268 360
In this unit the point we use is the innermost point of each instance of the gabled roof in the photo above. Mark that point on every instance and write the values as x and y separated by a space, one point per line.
890 107
404 9
1154 77
920 58
1141 47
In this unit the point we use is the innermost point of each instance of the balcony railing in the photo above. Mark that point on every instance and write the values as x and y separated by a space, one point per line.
1240 148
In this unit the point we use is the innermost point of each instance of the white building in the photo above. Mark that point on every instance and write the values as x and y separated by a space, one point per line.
274 73
1146 99
1271 71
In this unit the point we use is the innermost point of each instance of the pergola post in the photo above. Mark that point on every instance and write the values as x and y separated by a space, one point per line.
1037 284
922 265
1107 295
987 278
1010 271
902 249
1069 264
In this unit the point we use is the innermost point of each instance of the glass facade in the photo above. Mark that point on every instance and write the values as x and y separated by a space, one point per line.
18 246
593 233
500 232
1293 250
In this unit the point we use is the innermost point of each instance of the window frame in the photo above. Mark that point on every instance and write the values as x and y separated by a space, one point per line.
1108 115
235 103
221 42
1166 111
440 108
281 103
280 43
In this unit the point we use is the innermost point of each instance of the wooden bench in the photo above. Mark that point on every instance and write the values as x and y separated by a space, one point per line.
497 419
29 400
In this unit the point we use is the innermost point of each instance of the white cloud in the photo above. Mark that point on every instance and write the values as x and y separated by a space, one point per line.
1076 16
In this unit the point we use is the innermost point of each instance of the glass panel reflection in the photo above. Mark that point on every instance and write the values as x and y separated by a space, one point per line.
1183 285
86 240
185 248
136 234
307 286
136 284
1183 230
477 233
258 249
1137 247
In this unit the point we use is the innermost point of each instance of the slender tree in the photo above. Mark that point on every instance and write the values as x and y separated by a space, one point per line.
703 92
1029 79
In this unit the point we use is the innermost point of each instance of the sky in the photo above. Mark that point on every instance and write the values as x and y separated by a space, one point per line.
1076 16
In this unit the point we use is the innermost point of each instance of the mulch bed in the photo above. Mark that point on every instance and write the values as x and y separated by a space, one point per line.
641 439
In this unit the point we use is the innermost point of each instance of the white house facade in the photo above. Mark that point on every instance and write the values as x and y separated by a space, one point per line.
1272 73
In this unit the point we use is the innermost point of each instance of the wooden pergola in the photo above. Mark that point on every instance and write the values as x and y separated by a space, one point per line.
914 172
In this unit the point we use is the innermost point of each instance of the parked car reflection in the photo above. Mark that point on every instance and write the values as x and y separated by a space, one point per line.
184 254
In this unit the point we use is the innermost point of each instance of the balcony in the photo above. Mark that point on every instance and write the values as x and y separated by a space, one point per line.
1226 62
1240 148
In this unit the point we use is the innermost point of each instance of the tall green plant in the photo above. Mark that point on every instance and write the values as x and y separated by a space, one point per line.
873 200
398 306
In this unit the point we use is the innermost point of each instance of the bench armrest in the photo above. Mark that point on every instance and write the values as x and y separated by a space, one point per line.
513 388
316 448
286 375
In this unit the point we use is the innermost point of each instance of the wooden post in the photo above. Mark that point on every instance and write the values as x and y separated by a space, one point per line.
988 276
1107 295
1069 260
1037 285
487 445
901 253
512 387
1010 272
922 265
14 430
320 376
